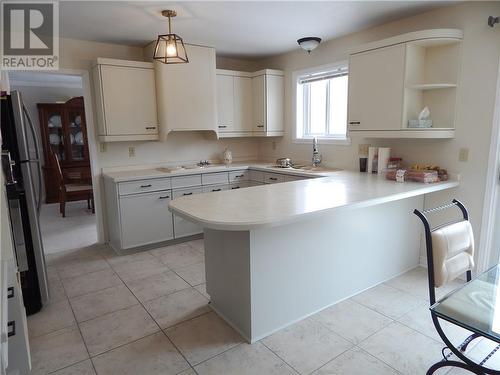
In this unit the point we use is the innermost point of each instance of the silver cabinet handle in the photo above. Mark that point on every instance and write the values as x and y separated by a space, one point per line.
354 122
240 175
164 197
146 186
150 127
235 187
216 189
273 178
260 126
187 194
12 326
222 126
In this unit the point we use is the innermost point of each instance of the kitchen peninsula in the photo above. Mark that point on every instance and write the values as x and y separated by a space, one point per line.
278 253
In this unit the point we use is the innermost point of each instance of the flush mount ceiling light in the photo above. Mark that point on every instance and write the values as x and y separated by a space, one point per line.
169 47
309 43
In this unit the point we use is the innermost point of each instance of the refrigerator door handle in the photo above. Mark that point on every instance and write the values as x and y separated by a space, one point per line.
37 161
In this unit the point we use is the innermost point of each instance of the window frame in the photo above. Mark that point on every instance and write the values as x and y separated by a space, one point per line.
295 78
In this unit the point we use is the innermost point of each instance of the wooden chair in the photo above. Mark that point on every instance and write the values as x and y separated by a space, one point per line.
70 191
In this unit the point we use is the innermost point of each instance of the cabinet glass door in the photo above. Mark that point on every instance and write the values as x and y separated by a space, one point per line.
76 131
56 134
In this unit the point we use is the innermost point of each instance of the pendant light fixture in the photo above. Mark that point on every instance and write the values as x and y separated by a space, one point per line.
169 47
309 43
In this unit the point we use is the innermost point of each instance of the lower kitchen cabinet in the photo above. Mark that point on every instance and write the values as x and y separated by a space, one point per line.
137 210
183 227
145 219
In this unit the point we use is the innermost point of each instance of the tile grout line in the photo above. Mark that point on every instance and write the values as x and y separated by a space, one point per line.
160 329
79 329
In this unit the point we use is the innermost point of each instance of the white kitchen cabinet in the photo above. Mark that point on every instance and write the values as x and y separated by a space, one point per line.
225 103
145 219
250 104
376 86
183 227
392 80
125 100
243 108
137 210
234 103
268 103
259 103
186 93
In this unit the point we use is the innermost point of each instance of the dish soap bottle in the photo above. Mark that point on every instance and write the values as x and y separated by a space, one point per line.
228 156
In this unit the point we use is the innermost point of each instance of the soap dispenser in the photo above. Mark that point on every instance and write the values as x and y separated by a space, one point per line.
228 156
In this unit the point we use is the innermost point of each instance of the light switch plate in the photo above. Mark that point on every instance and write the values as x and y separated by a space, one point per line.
102 147
131 152
463 154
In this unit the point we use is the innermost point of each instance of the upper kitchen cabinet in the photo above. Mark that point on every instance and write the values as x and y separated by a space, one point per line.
234 104
186 93
268 103
125 100
250 104
392 80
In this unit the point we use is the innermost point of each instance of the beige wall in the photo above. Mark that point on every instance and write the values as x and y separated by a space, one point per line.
237 64
476 96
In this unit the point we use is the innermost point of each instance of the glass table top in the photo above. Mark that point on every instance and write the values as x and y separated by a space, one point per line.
475 305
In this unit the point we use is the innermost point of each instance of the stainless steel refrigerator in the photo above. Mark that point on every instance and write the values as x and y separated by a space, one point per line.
21 157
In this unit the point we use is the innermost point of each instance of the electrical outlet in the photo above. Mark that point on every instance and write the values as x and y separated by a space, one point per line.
274 145
102 146
363 149
131 152
463 154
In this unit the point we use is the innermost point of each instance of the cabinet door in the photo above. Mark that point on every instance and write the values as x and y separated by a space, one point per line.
259 103
145 219
183 227
243 107
225 103
275 95
129 98
376 86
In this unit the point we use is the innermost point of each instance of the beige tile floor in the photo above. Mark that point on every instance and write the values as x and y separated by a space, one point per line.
147 314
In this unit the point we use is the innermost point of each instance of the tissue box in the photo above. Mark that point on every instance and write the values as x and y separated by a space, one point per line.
420 123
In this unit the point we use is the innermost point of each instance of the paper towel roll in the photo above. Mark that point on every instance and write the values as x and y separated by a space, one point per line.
384 153
372 151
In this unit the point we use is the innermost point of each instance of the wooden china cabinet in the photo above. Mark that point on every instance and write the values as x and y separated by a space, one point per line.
64 132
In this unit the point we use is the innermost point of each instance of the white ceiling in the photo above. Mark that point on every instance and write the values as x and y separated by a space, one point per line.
19 78
250 29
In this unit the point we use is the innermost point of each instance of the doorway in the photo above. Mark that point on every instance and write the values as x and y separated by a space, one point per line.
56 106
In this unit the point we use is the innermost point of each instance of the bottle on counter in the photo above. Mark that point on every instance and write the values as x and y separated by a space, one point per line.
228 156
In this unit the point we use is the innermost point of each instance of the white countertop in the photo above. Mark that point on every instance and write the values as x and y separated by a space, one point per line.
283 203
148 173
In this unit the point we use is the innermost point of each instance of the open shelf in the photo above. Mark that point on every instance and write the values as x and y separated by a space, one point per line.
427 133
431 86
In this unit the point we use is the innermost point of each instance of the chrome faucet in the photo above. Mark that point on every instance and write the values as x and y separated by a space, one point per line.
316 158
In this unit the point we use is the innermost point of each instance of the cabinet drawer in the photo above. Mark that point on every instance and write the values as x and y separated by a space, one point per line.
240 185
237 176
145 219
142 186
273 178
214 178
214 188
257 176
184 192
186 181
